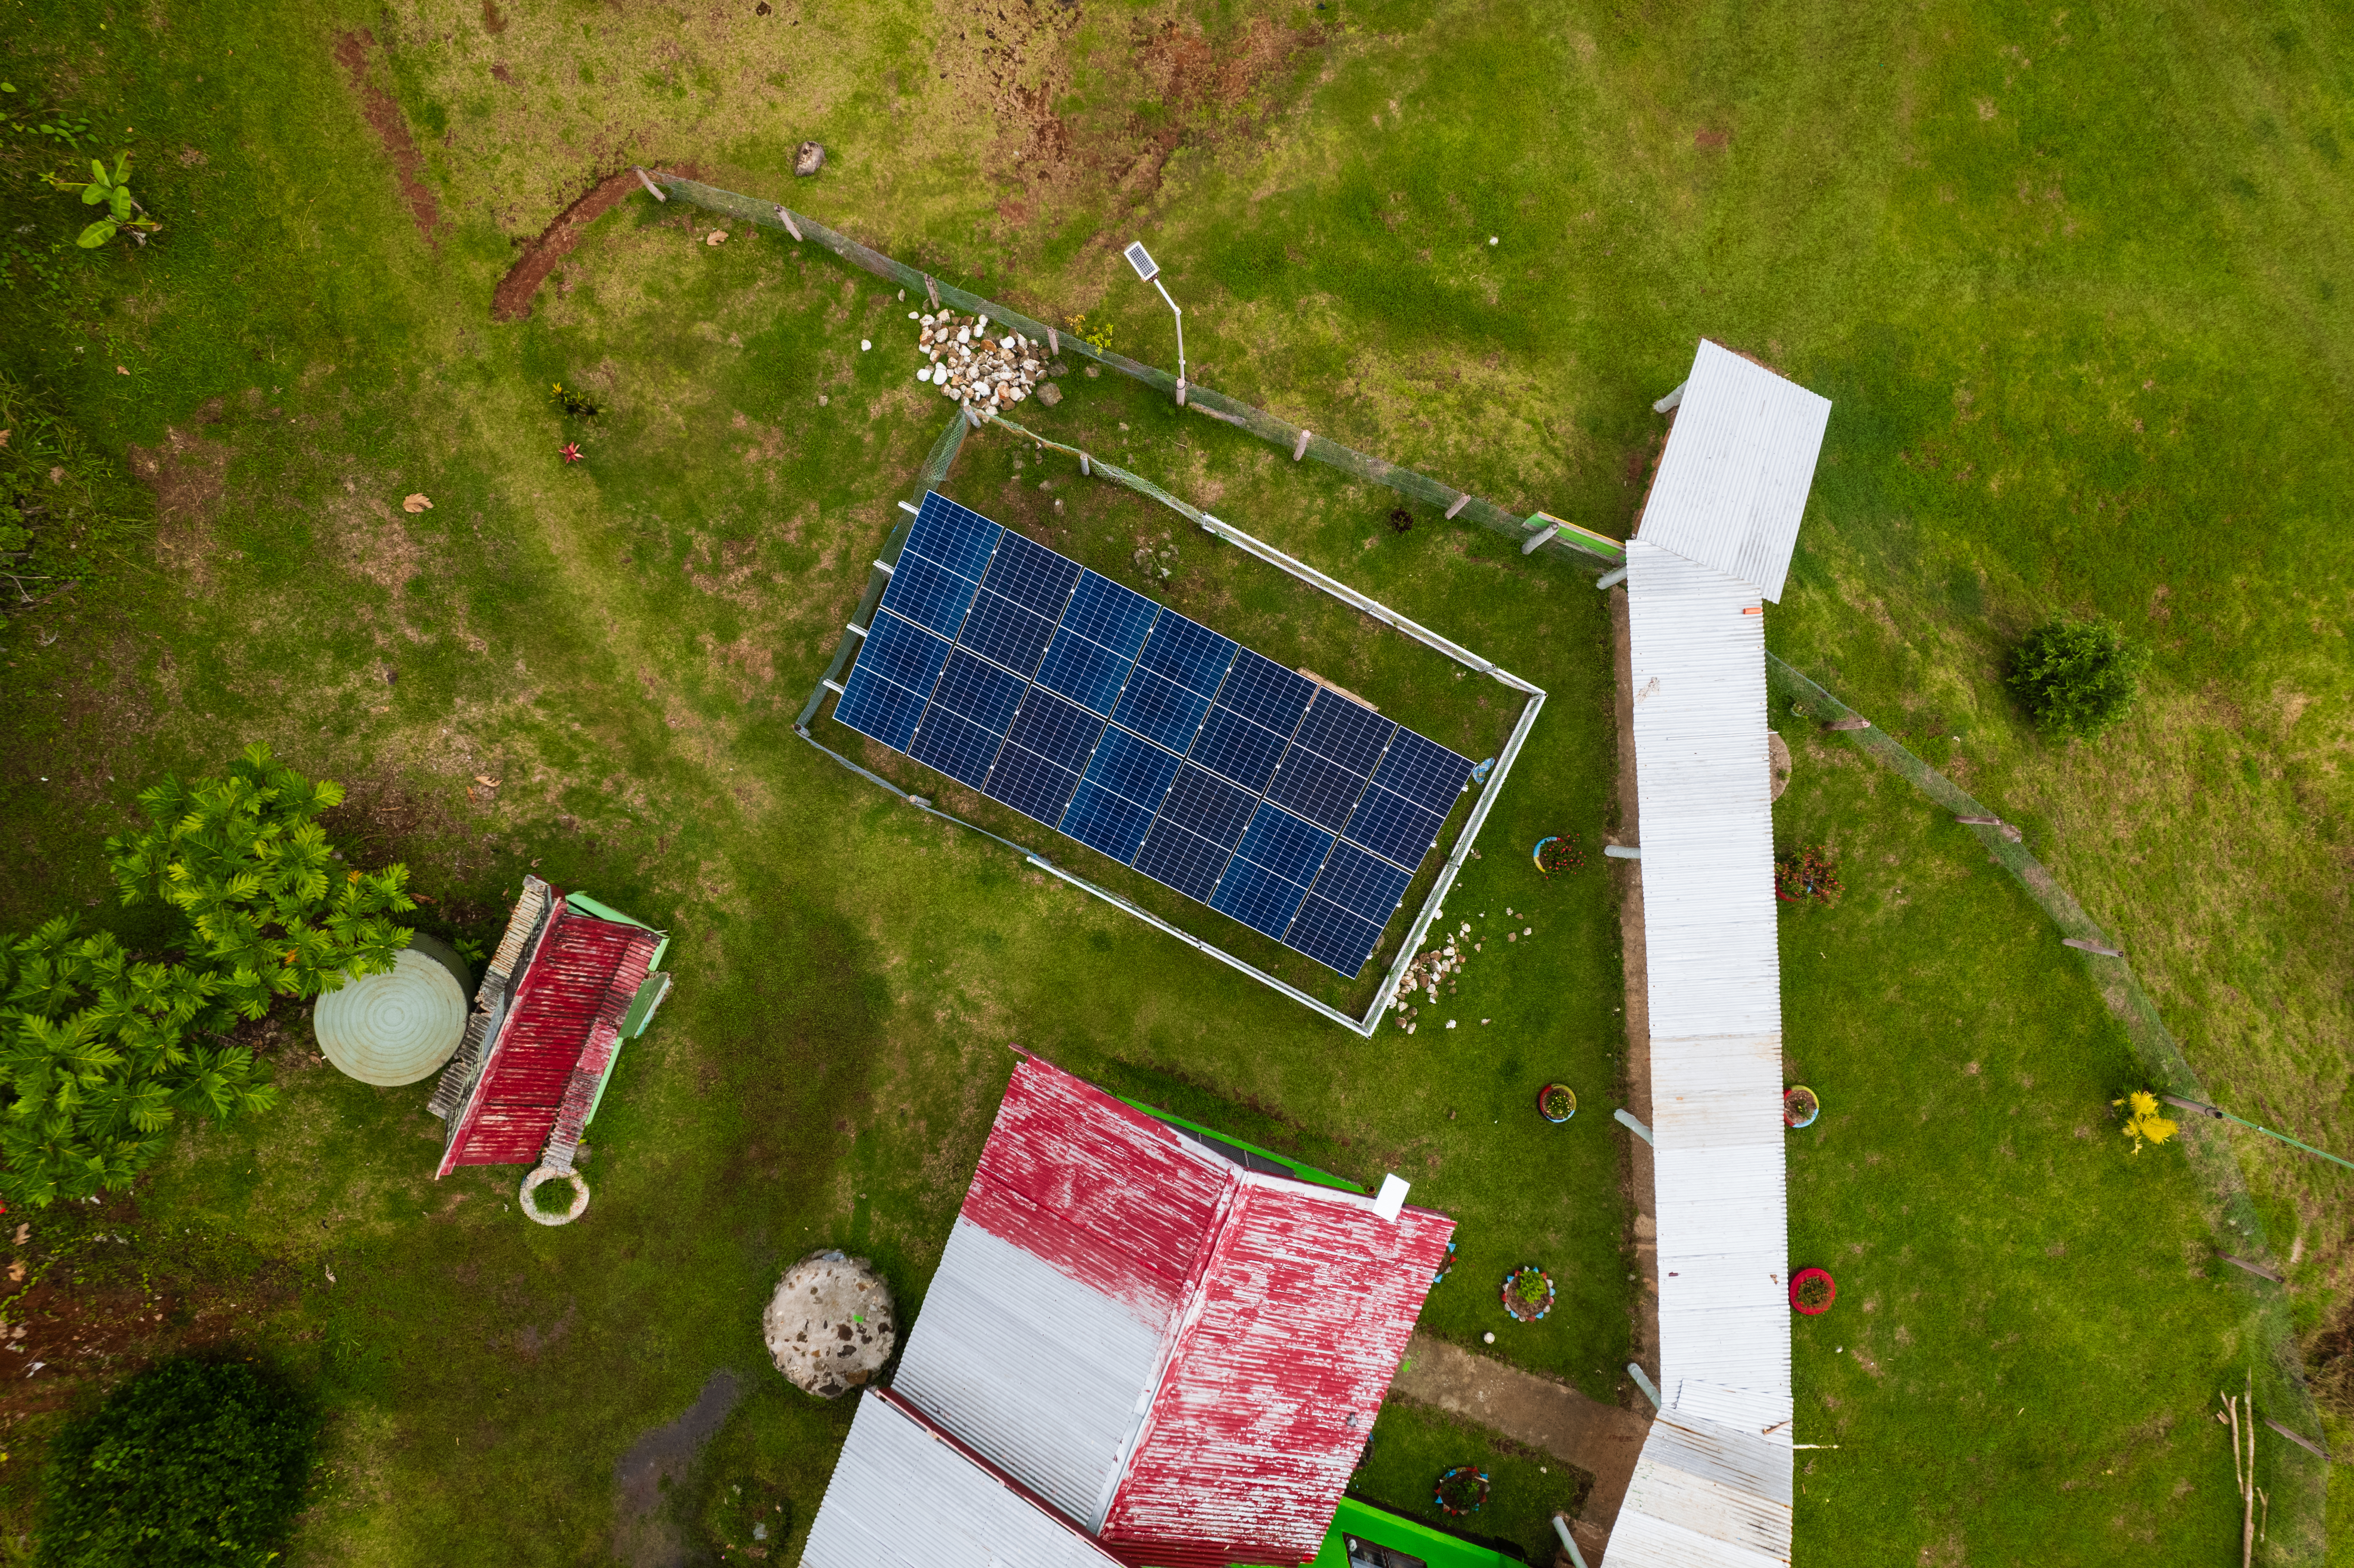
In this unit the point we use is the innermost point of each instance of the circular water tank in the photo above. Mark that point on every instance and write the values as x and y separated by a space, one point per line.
397 1027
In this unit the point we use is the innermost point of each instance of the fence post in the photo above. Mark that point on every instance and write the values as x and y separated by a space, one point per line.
653 190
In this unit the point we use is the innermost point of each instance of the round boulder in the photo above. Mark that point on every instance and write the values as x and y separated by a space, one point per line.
828 1326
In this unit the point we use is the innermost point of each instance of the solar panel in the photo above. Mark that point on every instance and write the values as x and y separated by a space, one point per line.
1220 774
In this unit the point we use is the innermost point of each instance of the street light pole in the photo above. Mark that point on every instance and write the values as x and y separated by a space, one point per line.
1150 272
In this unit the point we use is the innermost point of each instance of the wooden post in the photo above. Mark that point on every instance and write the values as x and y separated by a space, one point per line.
1299 446
1083 466
2248 1517
653 190
790 226
2080 943
1053 343
1460 502
1853 721
1979 821
1180 393
934 291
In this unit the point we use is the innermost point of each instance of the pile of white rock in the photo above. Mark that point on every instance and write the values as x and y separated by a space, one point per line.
976 369
1426 974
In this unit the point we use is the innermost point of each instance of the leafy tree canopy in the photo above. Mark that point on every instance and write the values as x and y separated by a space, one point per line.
2077 677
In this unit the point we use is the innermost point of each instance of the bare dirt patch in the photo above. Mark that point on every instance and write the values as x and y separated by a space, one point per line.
643 1536
384 118
511 300
187 473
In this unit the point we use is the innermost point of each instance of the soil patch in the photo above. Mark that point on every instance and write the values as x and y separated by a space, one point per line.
511 300
643 1536
187 473
384 118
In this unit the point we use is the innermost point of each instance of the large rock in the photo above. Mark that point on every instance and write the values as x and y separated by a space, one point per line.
830 1326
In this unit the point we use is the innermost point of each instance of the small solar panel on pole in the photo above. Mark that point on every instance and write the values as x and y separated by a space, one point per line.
1149 271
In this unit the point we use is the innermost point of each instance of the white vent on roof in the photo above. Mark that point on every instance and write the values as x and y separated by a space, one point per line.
1391 1198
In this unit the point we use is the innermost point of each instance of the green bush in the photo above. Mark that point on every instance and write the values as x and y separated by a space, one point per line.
100 1047
2077 677
193 1463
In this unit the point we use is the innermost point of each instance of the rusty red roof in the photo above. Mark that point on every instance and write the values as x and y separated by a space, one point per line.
559 1033
1182 1356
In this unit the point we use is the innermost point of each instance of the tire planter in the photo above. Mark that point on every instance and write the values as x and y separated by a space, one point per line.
1537 855
1446 1267
1525 1312
1798 1288
539 1178
1464 1510
1800 1106
1547 1093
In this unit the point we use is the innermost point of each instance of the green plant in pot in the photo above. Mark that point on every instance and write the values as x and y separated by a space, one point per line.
1556 1103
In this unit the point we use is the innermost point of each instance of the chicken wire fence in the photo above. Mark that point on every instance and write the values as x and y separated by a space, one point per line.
2298 1530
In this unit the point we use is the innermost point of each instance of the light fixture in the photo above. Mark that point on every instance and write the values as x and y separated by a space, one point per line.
1150 272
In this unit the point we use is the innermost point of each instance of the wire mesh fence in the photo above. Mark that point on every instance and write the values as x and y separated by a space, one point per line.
2299 1506
1536 534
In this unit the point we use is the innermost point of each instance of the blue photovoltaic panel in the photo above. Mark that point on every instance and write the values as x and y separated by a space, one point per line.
903 654
1345 733
1266 693
1259 899
1032 575
1032 785
1332 935
1323 792
928 595
999 629
1107 824
1424 771
1280 843
1233 748
1220 773
1160 711
958 748
872 705
1084 672
1181 859
949 536
1133 770
1208 807
1187 653
1364 884
975 689
1392 827
1063 733
1109 615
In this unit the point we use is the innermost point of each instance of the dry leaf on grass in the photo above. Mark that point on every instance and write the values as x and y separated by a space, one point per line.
417 504
717 237
486 779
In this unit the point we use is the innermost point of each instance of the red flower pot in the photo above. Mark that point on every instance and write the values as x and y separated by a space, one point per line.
1799 1283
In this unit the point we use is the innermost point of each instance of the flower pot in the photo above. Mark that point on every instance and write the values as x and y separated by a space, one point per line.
1522 1309
1800 1106
1549 1091
1812 1291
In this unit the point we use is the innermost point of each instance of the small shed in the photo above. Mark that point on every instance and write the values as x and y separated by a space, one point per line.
1143 1328
571 979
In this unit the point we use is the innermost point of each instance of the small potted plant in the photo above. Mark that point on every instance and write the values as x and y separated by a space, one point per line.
1528 1294
1556 1103
1460 1491
1558 853
1812 1291
1799 1108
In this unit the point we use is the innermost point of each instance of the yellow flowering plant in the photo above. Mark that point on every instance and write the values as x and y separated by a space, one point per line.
2143 1124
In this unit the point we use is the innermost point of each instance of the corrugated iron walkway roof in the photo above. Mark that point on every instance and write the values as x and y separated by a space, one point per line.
1179 1354
1714 1487
1733 482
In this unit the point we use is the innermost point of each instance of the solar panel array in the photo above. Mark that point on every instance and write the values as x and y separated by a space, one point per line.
1148 737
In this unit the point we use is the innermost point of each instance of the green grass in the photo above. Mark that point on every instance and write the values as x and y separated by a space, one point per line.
1413 1446
1979 230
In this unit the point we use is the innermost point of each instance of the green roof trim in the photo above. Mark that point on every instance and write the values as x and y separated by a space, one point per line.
606 912
1308 1173
1435 1547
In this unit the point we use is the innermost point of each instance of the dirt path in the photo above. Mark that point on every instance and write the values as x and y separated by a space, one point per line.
644 1534
1600 1439
511 301
384 117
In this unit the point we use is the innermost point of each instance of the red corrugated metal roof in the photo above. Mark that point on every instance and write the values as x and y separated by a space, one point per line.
568 1005
1287 1308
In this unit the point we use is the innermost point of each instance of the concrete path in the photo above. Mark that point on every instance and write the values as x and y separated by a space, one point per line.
1600 1439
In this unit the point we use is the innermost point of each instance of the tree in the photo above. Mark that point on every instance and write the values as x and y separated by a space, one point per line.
99 1049
2077 677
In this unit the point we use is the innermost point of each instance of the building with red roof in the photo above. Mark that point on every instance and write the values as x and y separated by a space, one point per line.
1147 1336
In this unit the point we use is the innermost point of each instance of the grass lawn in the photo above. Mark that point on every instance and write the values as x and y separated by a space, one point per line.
2069 281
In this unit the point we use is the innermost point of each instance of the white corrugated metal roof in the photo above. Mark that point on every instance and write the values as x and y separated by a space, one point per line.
902 1496
1712 1488
1047 1378
1733 482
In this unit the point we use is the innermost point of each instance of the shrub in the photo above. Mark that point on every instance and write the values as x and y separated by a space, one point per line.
2077 677
100 1047
193 1463
1801 875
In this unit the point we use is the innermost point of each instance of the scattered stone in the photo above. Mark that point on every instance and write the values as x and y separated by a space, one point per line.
808 158
1094 371
1050 394
830 1326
